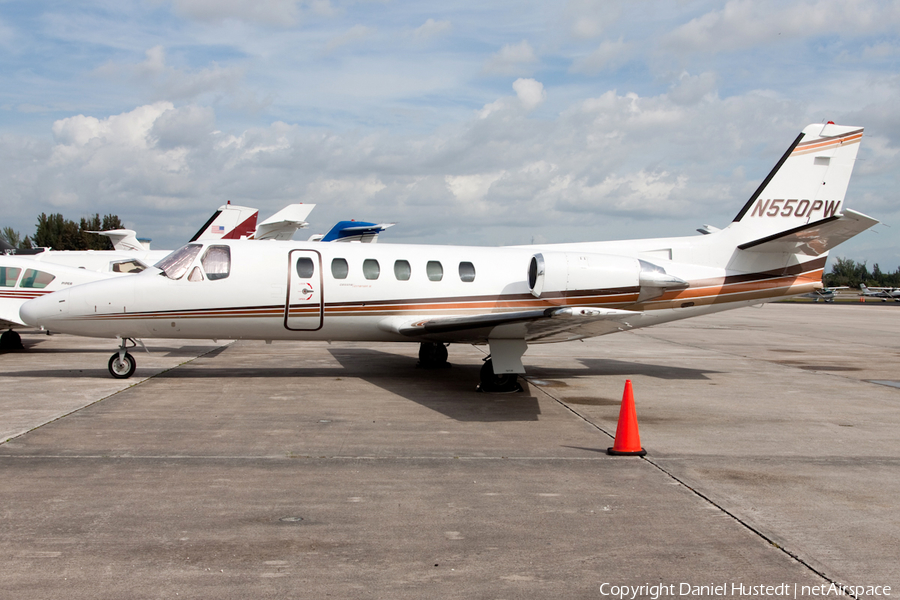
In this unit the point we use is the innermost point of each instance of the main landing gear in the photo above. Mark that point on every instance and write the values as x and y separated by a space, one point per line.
11 340
122 364
432 355
491 382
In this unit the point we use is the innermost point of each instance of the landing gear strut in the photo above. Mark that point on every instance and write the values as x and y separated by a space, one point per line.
497 384
432 356
122 364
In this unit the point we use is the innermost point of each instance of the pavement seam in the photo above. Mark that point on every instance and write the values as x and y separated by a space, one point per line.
117 392
704 497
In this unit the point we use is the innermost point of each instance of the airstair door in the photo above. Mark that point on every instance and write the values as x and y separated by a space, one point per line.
304 308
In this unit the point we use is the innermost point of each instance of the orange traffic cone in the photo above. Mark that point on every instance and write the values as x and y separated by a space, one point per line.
628 440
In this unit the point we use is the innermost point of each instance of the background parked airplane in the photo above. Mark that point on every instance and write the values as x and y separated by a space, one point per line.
880 292
39 271
825 294
505 297
61 269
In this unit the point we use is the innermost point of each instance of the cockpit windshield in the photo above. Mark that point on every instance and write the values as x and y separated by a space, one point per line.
175 265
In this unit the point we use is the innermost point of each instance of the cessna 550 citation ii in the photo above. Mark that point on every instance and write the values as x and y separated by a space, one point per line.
505 297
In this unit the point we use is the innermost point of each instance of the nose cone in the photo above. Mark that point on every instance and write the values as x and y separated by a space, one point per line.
28 312
39 311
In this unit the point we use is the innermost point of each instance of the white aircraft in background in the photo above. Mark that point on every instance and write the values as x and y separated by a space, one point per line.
34 272
826 293
505 297
885 293
63 269
352 231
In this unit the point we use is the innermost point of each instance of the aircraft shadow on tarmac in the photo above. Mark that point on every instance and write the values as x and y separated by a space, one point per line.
449 391
605 366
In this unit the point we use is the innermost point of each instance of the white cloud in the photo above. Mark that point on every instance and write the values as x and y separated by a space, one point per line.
512 59
7 35
170 83
129 129
742 24
608 55
471 189
690 89
431 29
590 18
529 95
282 13
355 34
530 92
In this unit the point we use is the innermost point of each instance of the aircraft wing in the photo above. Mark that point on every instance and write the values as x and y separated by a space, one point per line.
9 314
815 238
541 325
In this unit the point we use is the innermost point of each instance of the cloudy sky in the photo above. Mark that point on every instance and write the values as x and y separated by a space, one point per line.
489 123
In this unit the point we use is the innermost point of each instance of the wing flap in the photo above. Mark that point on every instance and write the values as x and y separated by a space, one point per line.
815 238
545 325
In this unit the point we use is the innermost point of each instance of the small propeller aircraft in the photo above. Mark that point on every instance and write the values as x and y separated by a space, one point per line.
885 293
826 294
504 297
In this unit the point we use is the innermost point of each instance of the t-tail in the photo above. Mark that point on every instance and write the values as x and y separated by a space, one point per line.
799 206
230 222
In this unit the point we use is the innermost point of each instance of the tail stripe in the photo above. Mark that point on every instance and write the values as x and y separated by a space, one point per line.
768 178
852 137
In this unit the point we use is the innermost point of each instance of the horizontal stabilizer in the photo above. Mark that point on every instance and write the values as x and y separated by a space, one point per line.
122 239
354 231
549 324
285 223
815 238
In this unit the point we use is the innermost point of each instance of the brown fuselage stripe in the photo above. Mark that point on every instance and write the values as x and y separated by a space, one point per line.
710 291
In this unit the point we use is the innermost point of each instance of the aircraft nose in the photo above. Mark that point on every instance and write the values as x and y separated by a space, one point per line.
38 311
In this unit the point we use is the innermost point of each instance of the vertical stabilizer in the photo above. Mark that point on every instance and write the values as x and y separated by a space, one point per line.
806 186
230 222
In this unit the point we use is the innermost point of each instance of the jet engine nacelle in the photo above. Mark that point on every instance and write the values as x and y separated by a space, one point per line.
555 272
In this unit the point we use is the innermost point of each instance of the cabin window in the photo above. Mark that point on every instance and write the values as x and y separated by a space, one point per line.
127 266
305 267
175 265
339 268
402 270
8 276
467 272
36 279
196 275
217 262
434 270
371 268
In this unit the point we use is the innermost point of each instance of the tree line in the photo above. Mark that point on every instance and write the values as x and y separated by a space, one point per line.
57 232
845 271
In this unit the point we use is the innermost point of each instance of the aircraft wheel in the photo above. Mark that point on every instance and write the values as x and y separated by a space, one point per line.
11 340
122 368
497 384
432 355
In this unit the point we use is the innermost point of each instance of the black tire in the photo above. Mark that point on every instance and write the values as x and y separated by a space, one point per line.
497 384
432 355
11 340
122 369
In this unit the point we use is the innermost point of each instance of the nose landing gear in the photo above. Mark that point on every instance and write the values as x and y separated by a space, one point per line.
122 364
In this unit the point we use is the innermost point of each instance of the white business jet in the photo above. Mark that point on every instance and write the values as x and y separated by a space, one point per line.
505 297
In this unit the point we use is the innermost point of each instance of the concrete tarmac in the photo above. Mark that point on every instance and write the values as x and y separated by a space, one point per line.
313 470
